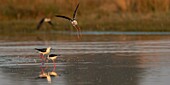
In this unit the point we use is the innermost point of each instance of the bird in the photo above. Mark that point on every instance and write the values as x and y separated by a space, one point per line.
43 51
53 57
73 21
45 19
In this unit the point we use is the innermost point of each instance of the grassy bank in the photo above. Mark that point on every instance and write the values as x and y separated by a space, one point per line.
93 15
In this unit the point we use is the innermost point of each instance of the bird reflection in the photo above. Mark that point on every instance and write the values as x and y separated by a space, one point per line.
45 73
53 74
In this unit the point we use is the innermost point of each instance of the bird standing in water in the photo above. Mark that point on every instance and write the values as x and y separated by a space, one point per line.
43 51
73 21
53 57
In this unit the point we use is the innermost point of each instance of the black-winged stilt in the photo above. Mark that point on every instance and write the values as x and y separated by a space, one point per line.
43 51
53 57
45 19
73 21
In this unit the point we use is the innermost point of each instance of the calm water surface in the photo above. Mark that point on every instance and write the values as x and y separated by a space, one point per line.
94 60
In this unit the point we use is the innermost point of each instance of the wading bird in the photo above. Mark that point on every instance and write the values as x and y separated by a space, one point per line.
73 21
45 19
43 51
53 57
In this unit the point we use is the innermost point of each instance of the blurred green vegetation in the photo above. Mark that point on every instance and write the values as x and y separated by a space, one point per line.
93 15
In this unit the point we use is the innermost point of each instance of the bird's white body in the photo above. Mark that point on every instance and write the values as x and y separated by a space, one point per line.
52 58
47 51
47 20
74 22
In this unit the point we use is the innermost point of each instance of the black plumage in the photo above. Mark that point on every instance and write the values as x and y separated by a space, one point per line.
73 21
52 55
41 50
48 20
68 18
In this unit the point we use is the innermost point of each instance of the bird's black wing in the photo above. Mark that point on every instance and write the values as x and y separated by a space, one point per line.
64 17
51 23
52 55
41 50
40 23
75 12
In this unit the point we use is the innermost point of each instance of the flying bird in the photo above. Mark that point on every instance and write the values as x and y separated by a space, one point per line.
73 21
47 20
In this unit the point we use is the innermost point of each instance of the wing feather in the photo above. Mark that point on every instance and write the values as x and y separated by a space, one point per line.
75 12
61 16
51 23
42 50
40 23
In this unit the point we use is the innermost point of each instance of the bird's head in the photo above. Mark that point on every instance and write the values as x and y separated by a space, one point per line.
48 49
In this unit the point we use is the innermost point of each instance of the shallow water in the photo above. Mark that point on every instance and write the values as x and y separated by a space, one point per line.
94 60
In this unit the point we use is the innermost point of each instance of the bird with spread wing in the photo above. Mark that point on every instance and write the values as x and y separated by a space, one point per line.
46 20
73 21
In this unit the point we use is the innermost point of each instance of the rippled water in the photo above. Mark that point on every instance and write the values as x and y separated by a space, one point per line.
94 60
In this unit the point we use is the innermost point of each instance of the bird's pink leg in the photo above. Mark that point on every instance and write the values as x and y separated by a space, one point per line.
42 59
42 56
45 67
42 70
78 31
54 65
